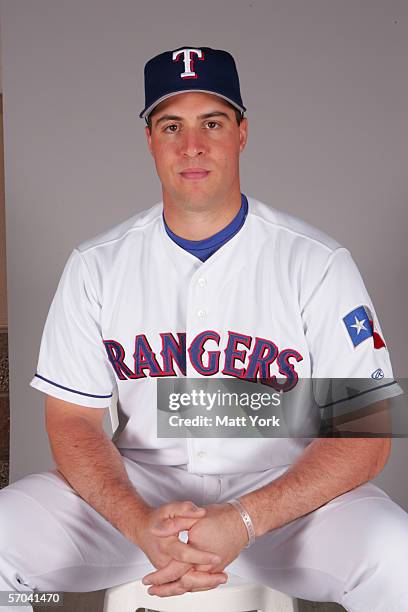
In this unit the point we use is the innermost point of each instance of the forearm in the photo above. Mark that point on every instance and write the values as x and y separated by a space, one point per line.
326 469
93 466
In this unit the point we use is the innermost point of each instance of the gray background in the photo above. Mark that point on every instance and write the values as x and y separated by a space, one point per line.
327 96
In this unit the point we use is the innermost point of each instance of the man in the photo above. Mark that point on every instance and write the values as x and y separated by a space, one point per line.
206 283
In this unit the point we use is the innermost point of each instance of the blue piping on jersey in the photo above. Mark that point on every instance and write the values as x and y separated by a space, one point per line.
72 390
345 399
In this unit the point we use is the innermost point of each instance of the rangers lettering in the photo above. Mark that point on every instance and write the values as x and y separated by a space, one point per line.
173 351
232 353
116 355
263 355
204 353
197 350
145 358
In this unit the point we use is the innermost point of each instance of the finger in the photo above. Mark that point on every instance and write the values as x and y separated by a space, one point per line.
174 588
183 555
170 573
187 553
205 589
172 526
185 508
190 581
202 580
207 568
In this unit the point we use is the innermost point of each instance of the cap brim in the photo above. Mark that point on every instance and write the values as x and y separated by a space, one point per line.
149 109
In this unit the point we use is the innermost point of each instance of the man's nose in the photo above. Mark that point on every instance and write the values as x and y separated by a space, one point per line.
193 143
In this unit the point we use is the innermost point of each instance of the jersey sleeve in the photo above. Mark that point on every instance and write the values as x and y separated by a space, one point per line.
72 363
345 339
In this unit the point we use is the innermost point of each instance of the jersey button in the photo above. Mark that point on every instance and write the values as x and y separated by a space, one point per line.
202 282
201 313
201 454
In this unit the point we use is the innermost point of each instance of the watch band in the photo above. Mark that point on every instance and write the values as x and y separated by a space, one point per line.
247 520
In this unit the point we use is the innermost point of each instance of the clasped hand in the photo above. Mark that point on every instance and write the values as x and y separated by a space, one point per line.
216 533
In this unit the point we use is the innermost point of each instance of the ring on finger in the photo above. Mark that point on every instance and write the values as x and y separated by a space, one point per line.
183 536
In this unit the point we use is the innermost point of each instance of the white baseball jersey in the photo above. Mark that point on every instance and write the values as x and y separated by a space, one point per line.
132 306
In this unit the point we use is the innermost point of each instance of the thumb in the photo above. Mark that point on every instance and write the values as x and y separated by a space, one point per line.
172 526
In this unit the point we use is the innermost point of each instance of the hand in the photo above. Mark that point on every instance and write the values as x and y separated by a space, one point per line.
158 538
221 531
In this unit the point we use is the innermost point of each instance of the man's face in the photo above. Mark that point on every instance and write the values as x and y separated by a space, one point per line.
198 132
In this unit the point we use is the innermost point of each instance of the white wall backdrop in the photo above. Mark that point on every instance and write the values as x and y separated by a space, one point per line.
327 96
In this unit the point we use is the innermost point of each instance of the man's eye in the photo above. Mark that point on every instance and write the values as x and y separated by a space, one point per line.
172 125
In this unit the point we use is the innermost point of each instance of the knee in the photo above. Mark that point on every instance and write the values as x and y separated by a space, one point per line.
12 528
388 544
379 576
13 539
21 512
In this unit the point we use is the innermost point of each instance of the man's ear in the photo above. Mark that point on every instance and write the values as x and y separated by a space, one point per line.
149 139
243 134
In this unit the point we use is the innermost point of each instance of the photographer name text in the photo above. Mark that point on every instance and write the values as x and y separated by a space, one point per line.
223 421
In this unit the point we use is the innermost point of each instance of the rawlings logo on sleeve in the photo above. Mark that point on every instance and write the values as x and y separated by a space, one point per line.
242 357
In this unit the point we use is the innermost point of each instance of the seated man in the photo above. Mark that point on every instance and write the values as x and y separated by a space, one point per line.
207 283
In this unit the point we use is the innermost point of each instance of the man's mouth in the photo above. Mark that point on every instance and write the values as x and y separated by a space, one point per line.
195 173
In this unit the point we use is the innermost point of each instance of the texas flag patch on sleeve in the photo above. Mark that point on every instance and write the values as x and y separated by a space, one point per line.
360 326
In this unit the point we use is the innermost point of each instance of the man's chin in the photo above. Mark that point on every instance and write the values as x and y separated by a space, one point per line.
194 199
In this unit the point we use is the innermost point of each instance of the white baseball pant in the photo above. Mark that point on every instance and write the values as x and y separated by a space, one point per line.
352 550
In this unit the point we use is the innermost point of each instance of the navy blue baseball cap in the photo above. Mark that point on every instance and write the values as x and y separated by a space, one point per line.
191 69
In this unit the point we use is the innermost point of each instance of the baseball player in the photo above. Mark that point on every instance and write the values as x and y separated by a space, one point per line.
209 282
